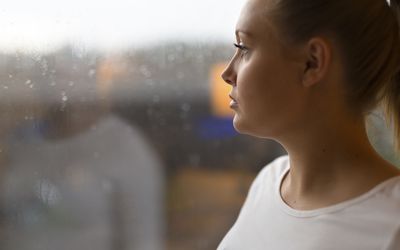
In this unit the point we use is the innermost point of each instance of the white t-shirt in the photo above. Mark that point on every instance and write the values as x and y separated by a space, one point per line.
370 221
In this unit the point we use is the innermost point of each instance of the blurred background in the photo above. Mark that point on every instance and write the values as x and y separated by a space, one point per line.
115 129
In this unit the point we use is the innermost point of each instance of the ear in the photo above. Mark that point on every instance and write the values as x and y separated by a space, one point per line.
318 57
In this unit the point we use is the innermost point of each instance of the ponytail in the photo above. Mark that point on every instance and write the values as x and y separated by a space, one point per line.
392 93
367 33
394 5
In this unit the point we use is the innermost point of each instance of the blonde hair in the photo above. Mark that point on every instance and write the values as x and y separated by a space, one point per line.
367 35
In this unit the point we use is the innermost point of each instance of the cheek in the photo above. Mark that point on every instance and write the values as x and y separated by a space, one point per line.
269 89
259 81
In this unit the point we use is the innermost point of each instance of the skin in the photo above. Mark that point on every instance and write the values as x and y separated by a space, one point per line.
295 96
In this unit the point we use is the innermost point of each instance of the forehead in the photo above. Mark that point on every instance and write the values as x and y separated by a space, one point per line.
253 21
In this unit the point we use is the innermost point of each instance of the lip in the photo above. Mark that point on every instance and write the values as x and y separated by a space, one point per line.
233 104
232 98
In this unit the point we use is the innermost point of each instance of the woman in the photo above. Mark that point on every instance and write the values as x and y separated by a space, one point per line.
306 74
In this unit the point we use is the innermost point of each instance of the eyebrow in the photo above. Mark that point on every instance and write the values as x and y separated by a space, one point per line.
243 32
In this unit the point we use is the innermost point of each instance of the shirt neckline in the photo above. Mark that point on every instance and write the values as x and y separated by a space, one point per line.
329 209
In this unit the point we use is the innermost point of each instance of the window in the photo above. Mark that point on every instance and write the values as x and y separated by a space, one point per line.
114 133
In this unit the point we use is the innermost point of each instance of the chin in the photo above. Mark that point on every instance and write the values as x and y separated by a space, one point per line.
240 126
236 124
246 129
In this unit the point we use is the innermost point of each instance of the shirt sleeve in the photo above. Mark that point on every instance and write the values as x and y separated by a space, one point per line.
249 202
254 193
394 243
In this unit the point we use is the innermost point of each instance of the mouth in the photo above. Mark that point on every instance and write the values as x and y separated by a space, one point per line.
233 104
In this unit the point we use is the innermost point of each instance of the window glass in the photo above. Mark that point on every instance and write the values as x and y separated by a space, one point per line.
115 129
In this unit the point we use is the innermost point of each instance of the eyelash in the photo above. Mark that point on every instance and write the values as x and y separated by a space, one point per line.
243 49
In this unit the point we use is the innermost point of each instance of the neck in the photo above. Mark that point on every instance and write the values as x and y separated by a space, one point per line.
322 163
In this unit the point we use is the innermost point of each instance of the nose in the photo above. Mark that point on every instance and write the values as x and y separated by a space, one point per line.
229 74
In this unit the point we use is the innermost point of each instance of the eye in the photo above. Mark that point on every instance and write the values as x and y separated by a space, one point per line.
243 49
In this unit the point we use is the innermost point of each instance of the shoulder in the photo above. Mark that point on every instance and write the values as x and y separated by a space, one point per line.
111 122
382 210
273 170
381 206
264 184
394 240
270 174
112 128
389 193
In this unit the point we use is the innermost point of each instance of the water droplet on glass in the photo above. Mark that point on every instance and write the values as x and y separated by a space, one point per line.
47 192
185 107
156 98
187 127
145 71
194 159
64 96
91 72
171 58
149 82
180 75
106 185
44 66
